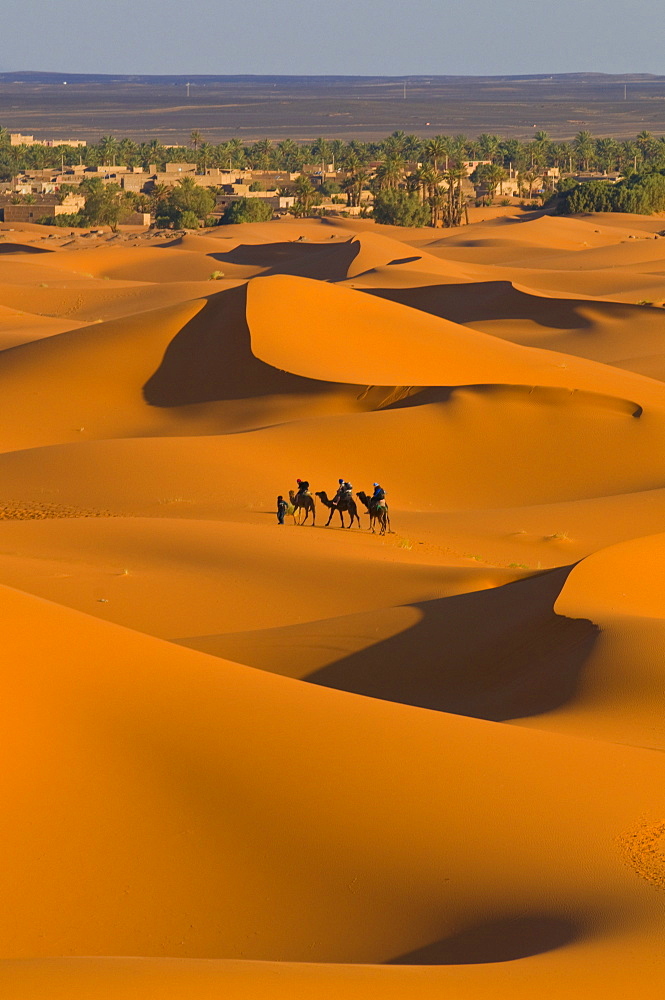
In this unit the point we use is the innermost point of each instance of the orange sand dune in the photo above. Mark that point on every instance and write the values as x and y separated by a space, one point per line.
613 285
601 331
619 690
250 760
281 308
20 327
133 375
135 263
95 301
105 566
157 809
474 436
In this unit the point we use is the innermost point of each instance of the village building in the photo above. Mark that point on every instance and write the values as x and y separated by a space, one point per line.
43 206
18 139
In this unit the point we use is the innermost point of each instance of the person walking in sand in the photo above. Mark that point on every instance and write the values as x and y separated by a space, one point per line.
282 507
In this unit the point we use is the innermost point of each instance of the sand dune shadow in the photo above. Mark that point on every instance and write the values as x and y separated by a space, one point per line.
494 654
324 261
25 248
503 940
211 359
486 300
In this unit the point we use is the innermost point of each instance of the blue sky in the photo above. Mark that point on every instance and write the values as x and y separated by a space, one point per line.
355 37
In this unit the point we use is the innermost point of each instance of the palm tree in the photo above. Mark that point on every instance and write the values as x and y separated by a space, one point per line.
261 154
348 187
559 153
645 142
455 199
108 147
336 151
289 155
360 149
429 179
584 146
489 146
195 138
541 145
361 179
389 174
417 182
127 150
436 149
607 151
205 153
394 144
158 196
628 155
305 195
152 152
458 148
321 149
413 146
494 178
530 178
350 161
236 153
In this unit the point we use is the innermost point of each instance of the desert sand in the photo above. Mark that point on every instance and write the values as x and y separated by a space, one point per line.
246 760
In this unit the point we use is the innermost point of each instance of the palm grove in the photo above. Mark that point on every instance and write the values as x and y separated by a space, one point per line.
414 181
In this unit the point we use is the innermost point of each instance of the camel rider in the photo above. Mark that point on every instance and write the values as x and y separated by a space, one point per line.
344 491
303 487
378 497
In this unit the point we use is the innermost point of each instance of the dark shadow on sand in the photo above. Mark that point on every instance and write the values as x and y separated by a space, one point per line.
211 359
503 940
17 248
495 654
471 302
324 261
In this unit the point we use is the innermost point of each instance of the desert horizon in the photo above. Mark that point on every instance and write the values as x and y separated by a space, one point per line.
165 108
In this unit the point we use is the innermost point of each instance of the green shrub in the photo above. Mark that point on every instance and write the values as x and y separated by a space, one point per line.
248 210
400 208
186 220
65 221
640 194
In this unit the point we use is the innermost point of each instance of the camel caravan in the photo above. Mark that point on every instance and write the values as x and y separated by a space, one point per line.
303 504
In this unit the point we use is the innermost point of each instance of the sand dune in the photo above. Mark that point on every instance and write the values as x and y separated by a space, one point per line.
610 332
246 760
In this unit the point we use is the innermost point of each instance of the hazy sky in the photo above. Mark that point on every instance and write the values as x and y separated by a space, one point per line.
356 37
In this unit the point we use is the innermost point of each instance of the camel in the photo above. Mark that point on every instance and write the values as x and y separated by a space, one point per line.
377 512
346 503
303 501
